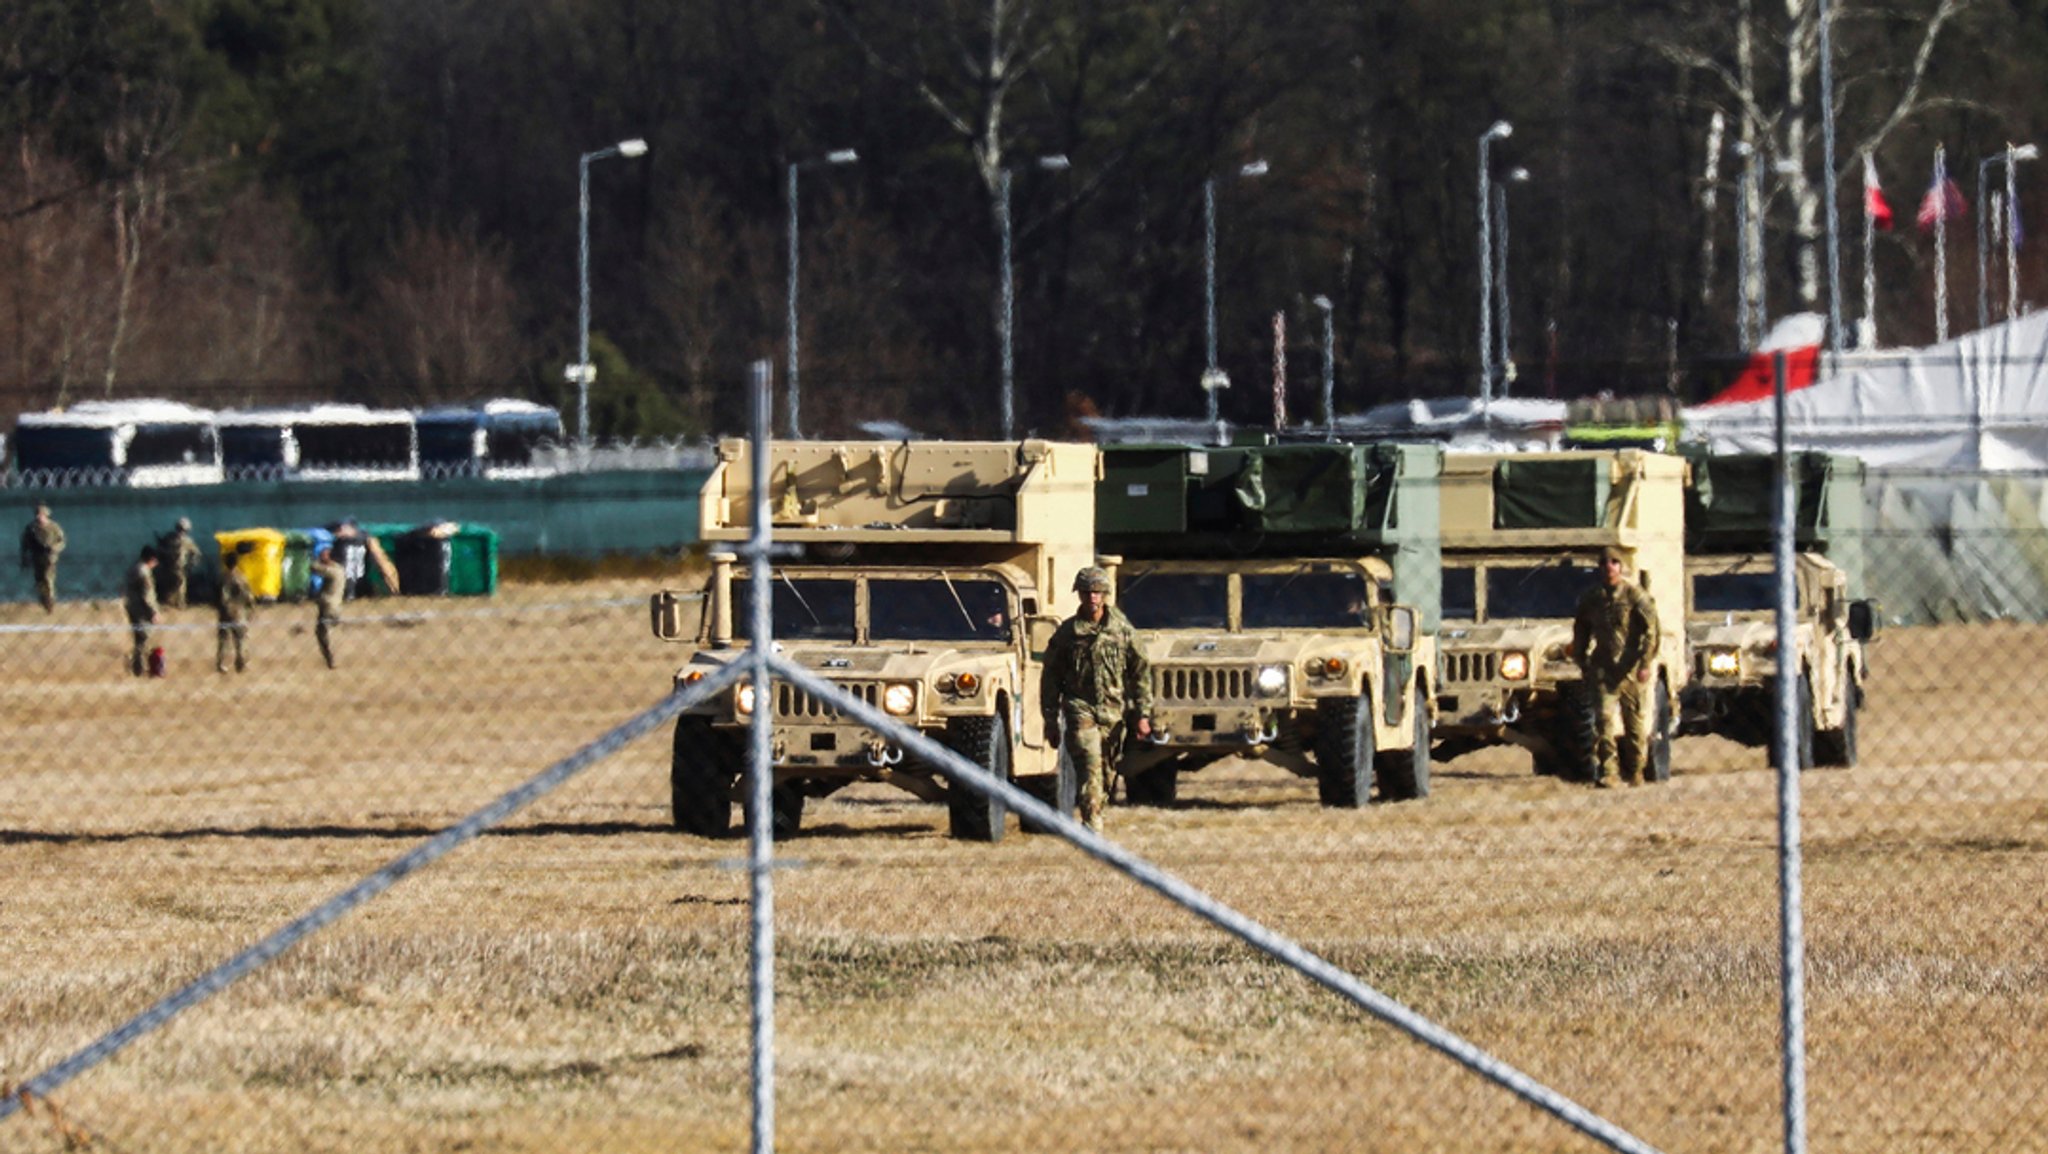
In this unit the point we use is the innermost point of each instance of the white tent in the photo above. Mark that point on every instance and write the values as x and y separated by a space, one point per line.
1978 403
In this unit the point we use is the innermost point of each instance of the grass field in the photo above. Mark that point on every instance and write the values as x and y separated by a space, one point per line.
579 980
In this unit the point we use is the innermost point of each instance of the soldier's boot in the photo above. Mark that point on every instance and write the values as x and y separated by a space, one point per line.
49 604
1603 782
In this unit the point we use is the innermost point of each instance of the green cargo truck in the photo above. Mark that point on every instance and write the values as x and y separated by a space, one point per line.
1522 537
1287 598
1732 623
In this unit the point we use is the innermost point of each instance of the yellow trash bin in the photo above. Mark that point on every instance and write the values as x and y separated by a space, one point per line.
262 561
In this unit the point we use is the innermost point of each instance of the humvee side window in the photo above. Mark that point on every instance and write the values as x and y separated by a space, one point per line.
802 609
1306 601
964 609
1174 600
1461 596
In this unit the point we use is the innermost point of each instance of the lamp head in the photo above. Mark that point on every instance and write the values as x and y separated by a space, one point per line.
1501 130
2026 152
633 147
1255 168
1058 162
1322 302
842 156
1518 176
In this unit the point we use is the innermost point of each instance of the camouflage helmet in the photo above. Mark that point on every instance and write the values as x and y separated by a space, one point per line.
1093 579
185 524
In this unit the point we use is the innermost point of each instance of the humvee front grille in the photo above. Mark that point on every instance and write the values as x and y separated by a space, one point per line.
1470 667
1197 684
793 704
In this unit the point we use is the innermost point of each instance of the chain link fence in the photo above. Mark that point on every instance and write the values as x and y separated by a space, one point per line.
579 976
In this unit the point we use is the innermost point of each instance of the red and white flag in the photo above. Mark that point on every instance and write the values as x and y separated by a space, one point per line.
1943 202
1874 205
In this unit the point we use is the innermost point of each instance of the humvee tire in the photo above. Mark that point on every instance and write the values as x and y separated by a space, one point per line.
985 741
1343 751
1802 730
702 769
1577 734
1158 786
1404 774
785 805
1837 747
1657 758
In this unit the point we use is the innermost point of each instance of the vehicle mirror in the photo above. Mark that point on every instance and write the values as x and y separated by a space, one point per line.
1401 628
1862 620
669 611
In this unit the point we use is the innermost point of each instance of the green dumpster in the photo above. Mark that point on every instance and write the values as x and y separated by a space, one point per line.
473 561
298 566
383 568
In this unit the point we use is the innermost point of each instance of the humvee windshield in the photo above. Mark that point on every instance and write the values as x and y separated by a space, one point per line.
1306 600
1535 590
974 609
1174 600
1734 592
803 608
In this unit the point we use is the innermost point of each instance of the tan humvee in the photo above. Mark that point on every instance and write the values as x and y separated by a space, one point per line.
1733 630
1296 661
931 575
1522 537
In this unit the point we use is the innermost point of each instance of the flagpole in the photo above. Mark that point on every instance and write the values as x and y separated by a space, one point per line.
1867 331
1940 194
2011 222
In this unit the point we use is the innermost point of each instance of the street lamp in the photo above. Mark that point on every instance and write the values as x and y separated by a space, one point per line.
841 156
581 374
2012 155
1516 175
1214 380
1006 309
1501 130
1328 310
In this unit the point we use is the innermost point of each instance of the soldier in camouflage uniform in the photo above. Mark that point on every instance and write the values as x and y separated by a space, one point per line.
178 551
1096 678
1615 639
333 580
139 599
41 542
236 602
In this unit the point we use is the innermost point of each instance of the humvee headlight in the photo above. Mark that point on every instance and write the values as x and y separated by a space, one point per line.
1514 666
744 699
1723 663
899 699
1271 680
1326 667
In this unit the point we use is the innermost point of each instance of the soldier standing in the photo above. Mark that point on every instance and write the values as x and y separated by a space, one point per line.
331 576
1096 679
41 542
179 551
139 599
1615 638
236 603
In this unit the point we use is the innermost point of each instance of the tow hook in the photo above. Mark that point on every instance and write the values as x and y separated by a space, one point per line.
881 754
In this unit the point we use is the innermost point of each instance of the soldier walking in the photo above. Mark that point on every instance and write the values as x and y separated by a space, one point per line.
1096 680
332 578
1614 639
236 604
41 542
179 551
139 599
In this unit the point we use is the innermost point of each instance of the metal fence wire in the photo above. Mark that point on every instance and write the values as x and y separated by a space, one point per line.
1515 962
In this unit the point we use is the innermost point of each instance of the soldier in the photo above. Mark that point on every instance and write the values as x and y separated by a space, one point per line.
139 598
1615 640
236 603
179 551
1096 679
331 576
41 542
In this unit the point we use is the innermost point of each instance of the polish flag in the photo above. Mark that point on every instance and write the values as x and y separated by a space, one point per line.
1944 201
1874 205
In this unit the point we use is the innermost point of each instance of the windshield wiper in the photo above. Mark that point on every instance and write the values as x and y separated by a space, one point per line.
962 605
798 594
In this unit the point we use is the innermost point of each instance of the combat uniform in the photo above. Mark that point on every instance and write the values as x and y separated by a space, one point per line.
332 578
1096 676
236 602
1616 637
41 542
177 551
139 599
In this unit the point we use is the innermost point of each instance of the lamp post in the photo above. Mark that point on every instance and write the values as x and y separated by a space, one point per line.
1213 378
1328 310
1501 130
1006 308
841 156
2012 155
1500 214
581 374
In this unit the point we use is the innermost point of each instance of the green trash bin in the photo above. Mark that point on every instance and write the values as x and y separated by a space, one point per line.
386 534
298 566
473 561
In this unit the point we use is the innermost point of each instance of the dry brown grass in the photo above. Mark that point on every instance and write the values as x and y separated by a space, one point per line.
580 979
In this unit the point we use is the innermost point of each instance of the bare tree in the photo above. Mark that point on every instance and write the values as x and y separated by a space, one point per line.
441 323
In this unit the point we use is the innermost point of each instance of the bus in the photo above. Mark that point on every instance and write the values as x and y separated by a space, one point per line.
321 443
501 438
140 443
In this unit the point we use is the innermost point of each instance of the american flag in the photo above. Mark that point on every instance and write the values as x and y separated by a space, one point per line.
1944 201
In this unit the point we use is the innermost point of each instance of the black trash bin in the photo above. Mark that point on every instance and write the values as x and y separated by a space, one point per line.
422 559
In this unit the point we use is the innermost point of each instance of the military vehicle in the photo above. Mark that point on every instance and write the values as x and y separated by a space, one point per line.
1732 625
1522 538
931 575
1286 597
